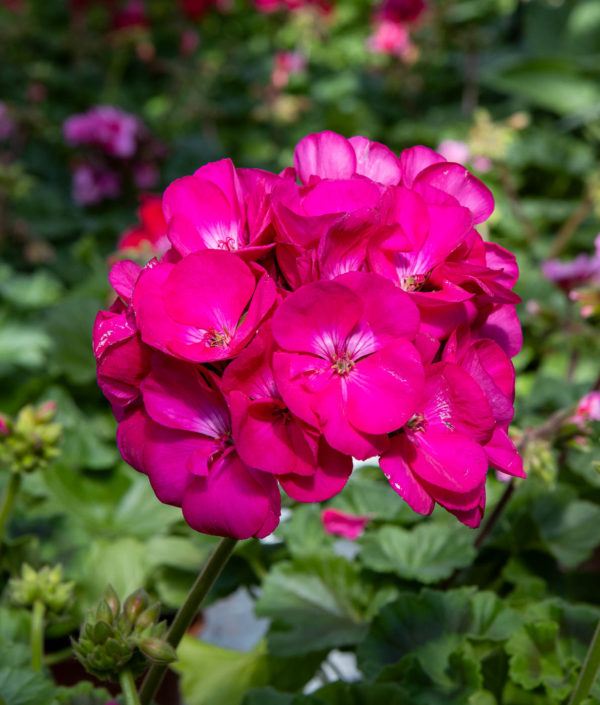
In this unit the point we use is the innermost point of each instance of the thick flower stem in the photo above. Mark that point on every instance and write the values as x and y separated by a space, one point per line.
37 635
589 670
128 688
187 612
8 500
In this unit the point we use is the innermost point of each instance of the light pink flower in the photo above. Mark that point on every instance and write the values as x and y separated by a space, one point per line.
339 523
454 151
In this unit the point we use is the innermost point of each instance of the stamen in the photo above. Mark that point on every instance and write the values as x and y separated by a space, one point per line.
343 364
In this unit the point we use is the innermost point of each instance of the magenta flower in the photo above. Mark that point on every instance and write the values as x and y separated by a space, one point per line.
339 523
438 456
220 208
347 365
378 323
184 433
269 437
203 308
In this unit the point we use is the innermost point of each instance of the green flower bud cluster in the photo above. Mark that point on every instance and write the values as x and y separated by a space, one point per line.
114 638
29 441
45 585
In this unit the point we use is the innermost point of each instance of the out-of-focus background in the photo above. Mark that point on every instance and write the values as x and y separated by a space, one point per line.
104 102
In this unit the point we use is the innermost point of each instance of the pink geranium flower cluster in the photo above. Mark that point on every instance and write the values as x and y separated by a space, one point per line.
114 147
346 307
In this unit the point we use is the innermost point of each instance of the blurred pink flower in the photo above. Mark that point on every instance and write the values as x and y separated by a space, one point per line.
481 163
401 10
588 408
390 38
454 151
583 269
7 124
339 523
133 14
106 126
92 184
286 64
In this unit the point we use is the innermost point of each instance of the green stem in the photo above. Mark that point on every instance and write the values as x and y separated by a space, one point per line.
187 612
8 500
128 688
37 635
58 656
589 670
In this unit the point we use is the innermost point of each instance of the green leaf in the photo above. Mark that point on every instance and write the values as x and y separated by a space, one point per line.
428 552
317 603
534 659
569 530
70 324
555 84
303 532
267 696
341 693
212 675
430 627
23 686
29 291
368 492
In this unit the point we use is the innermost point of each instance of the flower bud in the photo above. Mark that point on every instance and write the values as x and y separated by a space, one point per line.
112 600
113 638
135 604
158 650
29 441
45 586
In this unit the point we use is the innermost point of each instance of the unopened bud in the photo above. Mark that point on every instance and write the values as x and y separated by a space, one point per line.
135 604
158 650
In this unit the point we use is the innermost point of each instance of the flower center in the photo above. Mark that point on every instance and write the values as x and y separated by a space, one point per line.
412 282
417 422
343 364
216 338
227 243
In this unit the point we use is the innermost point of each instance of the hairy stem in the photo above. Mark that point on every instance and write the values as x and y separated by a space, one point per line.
187 612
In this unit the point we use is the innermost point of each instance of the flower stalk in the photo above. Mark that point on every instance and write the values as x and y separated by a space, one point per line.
128 687
37 635
589 670
8 501
199 590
